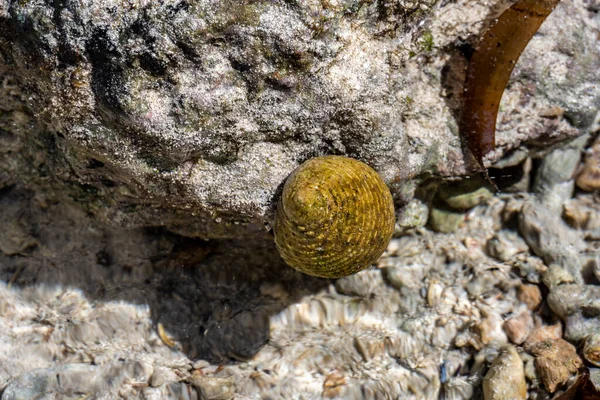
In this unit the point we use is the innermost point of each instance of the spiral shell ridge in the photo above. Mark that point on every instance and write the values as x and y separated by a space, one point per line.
335 217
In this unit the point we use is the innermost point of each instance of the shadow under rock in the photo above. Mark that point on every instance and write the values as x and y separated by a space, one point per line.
212 297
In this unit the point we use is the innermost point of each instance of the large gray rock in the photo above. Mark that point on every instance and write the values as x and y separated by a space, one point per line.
191 114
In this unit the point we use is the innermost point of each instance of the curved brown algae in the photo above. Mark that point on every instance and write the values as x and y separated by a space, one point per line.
490 67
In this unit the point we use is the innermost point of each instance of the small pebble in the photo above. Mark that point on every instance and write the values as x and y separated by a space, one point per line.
512 209
511 159
556 275
565 300
360 284
434 293
405 246
466 194
213 388
505 245
263 381
490 330
550 238
173 390
582 212
530 295
576 300
444 221
517 328
553 182
413 215
589 175
334 385
529 365
506 377
200 364
530 268
162 375
579 326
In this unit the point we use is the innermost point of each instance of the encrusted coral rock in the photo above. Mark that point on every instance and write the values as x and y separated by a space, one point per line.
556 361
190 114
543 333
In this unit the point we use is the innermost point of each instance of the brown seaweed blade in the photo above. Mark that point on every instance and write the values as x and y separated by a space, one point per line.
581 389
490 68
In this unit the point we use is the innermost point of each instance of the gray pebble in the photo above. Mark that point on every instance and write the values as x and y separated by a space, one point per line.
482 283
444 221
413 215
505 245
550 237
565 300
579 307
579 326
465 194
554 181
360 284
556 275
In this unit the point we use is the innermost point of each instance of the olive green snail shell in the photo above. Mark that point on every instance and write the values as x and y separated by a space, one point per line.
335 217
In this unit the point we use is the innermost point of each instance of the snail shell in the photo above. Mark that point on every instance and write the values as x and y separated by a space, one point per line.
335 217
591 349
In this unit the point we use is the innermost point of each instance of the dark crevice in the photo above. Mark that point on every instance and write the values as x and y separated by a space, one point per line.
181 6
107 71
188 50
152 64
94 164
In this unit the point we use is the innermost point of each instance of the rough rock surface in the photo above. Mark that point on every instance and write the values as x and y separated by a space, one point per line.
181 119
147 314
190 114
